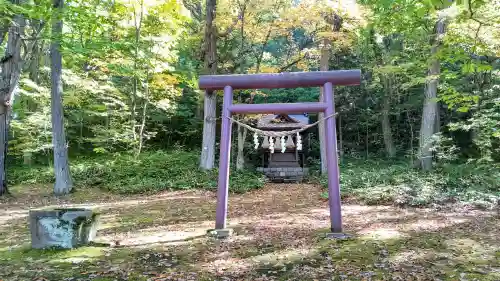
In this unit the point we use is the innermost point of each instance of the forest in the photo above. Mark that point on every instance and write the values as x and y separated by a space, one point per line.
100 104
109 89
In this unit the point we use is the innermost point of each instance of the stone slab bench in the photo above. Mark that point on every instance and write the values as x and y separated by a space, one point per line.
65 228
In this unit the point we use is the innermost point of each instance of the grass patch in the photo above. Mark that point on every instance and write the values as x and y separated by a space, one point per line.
150 172
380 182
27 253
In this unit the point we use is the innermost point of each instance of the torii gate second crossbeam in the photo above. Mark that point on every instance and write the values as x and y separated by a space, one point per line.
326 79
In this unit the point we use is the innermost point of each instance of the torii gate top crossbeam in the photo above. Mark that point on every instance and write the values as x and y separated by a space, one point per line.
280 80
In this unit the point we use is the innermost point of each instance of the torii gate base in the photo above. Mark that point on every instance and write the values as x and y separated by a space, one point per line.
270 81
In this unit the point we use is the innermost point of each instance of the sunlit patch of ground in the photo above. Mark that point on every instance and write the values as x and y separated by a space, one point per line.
279 235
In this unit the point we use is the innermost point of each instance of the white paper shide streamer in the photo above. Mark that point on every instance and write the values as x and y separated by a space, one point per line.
271 144
256 141
299 142
283 144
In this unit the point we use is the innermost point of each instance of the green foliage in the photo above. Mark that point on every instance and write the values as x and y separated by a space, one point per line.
151 172
483 123
379 182
130 83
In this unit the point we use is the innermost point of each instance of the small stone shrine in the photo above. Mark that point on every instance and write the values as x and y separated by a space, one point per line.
283 158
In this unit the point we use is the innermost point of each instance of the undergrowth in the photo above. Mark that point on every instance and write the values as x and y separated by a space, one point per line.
380 182
371 182
151 171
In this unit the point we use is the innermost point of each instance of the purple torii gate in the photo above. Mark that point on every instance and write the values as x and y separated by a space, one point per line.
326 79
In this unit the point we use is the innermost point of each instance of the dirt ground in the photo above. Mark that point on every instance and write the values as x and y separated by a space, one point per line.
279 235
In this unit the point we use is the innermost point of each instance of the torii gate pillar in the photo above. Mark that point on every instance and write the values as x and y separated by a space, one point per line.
283 80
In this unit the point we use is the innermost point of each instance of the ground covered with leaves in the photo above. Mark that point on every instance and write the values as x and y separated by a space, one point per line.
279 235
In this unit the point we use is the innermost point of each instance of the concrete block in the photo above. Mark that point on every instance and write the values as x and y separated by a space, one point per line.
62 228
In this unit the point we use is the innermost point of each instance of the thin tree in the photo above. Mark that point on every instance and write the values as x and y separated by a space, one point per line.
242 132
387 81
430 109
208 142
10 68
207 158
390 148
335 21
63 184
138 20
323 64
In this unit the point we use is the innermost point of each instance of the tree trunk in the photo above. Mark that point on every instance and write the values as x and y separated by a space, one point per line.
367 142
80 137
390 149
323 66
429 113
138 27
4 136
35 49
35 63
209 126
63 184
427 128
143 126
11 67
240 159
242 132
324 61
437 126
341 140
412 150
143 118
207 158
133 109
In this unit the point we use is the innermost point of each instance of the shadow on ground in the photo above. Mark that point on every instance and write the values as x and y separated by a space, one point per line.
279 236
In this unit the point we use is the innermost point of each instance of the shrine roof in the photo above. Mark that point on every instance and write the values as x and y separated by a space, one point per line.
283 121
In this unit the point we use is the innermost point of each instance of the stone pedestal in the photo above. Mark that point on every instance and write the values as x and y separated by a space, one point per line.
339 236
286 174
220 233
62 228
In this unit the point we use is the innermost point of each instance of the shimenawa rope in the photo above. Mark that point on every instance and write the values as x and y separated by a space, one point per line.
282 133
